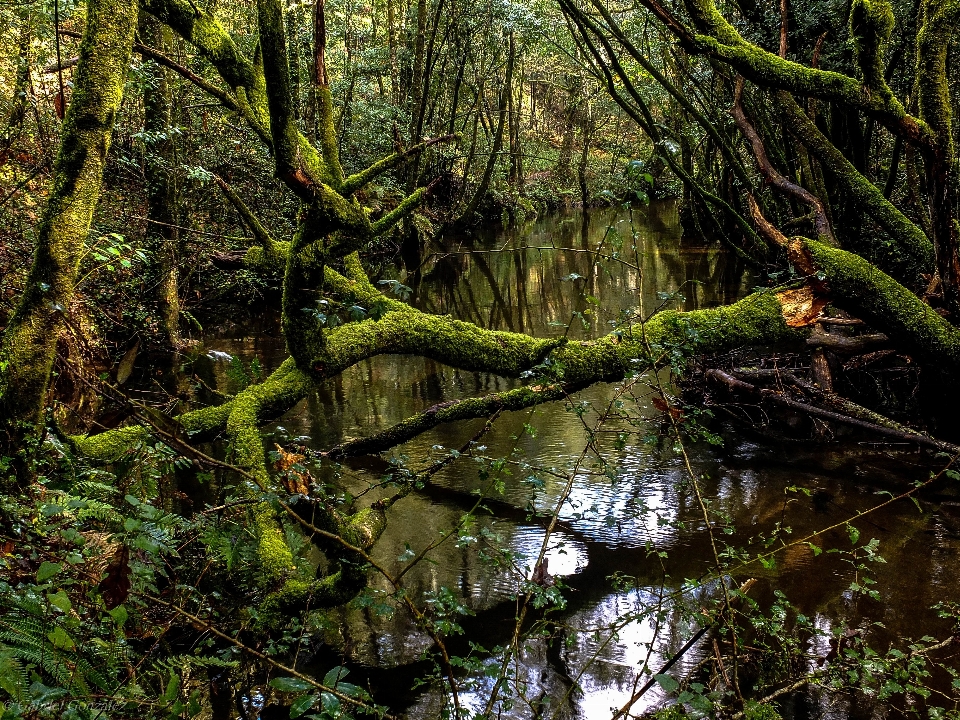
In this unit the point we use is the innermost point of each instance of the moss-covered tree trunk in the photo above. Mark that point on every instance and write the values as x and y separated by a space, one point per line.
21 89
29 343
163 239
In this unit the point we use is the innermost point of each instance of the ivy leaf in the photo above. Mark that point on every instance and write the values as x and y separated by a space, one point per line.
47 570
59 600
289 684
302 704
668 684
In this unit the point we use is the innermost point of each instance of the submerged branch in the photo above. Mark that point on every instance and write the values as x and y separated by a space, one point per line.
468 409
734 385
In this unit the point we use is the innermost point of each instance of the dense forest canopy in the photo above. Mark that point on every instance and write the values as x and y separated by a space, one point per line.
168 167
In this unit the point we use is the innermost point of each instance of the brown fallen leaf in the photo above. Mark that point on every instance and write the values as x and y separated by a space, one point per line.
660 404
295 481
125 368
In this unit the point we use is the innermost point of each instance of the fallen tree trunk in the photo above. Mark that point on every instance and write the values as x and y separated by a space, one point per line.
763 318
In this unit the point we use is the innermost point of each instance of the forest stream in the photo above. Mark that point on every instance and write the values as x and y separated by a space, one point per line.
507 280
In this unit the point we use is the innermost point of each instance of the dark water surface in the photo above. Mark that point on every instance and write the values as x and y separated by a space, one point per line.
609 524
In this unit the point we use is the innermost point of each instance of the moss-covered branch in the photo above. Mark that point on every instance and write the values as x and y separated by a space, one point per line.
871 23
941 21
909 238
297 162
718 38
407 206
271 254
29 342
204 31
871 294
356 181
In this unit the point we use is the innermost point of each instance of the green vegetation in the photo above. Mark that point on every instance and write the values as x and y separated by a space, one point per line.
167 551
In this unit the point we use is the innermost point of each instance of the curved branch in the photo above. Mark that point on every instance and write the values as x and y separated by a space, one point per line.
820 221
767 69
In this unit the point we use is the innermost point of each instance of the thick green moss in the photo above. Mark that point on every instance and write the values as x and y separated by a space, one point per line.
912 253
406 207
206 33
941 18
871 23
29 342
110 446
876 297
720 39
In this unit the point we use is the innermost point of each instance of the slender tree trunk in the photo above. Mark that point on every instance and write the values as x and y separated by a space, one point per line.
293 50
940 23
419 51
562 169
516 156
587 128
162 236
21 89
497 143
392 46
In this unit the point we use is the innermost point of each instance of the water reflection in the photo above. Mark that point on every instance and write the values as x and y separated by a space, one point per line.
534 280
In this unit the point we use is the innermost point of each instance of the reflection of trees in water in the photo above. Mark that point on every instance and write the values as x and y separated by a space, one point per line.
751 505
510 282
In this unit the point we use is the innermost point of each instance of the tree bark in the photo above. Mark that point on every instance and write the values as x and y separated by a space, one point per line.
163 239
29 343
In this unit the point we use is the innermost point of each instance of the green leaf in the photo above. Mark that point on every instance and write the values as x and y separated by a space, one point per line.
668 684
61 640
302 704
334 676
173 688
853 533
119 614
47 570
289 684
59 600
331 703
